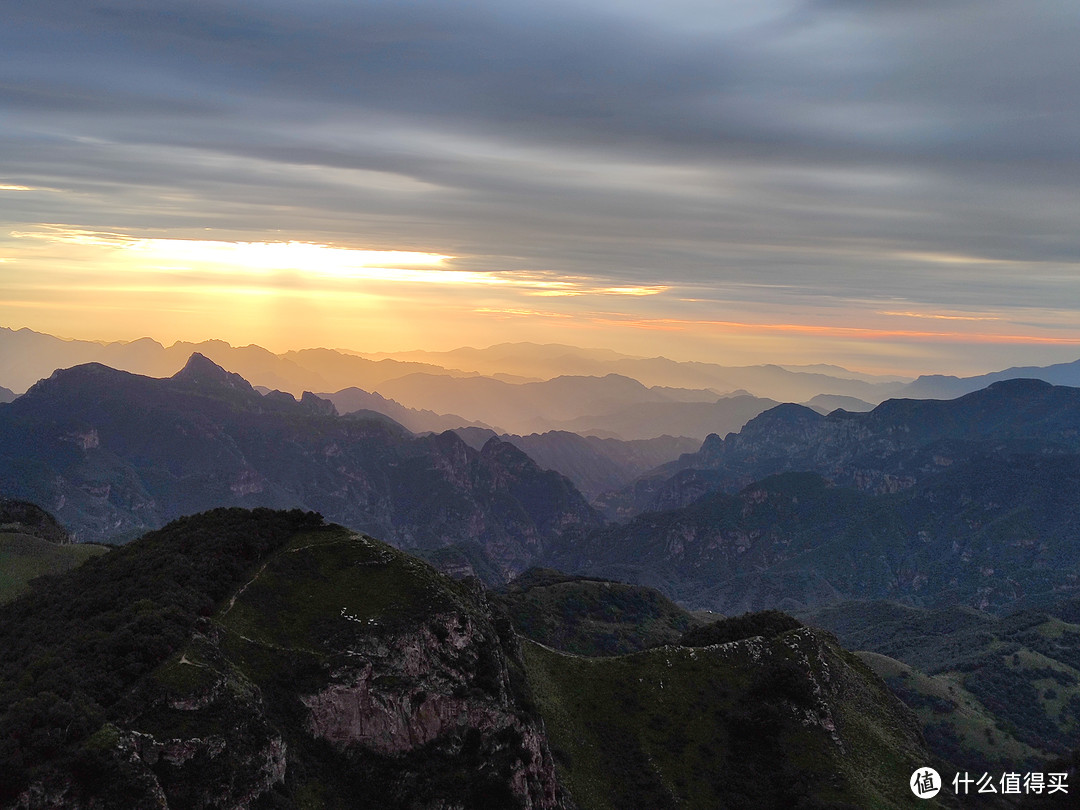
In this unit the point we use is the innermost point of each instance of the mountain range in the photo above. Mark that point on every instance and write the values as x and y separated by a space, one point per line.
113 454
914 531
883 450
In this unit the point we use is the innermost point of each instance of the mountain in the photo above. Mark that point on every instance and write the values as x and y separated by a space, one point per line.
255 659
940 386
351 400
595 465
238 658
562 402
27 356
827 403
343 370
113 454
32 544
791 384
890 448
6 394
995 533
696 420
769 720
591 617
23 517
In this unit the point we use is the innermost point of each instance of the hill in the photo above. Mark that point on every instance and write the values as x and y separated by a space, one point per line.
590 616
991 692
32 544
266 659
784 721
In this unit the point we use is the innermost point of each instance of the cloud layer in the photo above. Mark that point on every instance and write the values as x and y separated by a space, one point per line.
843 163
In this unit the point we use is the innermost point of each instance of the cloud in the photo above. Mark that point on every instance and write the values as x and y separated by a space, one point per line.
832 151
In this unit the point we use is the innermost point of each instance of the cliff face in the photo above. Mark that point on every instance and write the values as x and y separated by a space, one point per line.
339 673
266 660
348 671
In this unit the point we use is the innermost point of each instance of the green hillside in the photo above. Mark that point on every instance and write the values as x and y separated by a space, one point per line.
591 616
990 692
792 721
262 659
23 557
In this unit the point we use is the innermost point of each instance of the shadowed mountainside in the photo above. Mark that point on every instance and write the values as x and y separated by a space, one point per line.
888 449
989 532
594 464
113 454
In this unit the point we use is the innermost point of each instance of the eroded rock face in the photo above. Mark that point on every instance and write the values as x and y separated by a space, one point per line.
341 673
448 686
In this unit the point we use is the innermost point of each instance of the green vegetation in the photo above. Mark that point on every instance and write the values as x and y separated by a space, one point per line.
76 644
23 557
23 517
989 692
766 623
958 728
591 616
793 722
241 654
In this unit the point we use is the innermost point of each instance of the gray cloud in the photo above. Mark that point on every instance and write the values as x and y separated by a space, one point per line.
793 144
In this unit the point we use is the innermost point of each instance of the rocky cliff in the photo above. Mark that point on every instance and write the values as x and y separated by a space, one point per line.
340 673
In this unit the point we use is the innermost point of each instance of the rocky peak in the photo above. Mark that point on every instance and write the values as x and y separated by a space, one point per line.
317 405
202 372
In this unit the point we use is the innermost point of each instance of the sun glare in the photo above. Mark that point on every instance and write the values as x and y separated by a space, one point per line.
306 256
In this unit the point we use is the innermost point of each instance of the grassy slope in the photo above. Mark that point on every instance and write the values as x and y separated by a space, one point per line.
277 625
991 693
593 617
723 726
23 557
958 727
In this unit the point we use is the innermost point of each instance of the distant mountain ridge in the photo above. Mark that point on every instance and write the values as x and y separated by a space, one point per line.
113 453
940 386
886 449
595 465
27 356
970 501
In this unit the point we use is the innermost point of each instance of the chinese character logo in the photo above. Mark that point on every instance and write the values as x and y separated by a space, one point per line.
925 783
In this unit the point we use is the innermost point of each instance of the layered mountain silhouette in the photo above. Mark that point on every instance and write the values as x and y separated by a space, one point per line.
595 465
970 501
884 450
113 454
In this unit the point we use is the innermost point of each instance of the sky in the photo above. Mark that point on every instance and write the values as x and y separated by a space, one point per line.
890 185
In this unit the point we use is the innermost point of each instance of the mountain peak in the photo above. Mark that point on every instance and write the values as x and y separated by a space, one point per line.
201 371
